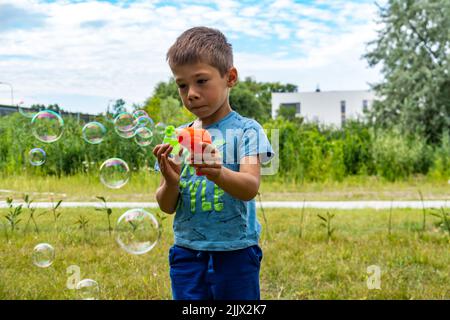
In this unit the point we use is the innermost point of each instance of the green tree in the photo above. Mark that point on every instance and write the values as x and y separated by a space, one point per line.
413 49
119 106
153 108
153 105
262 92
167 89
249 98
173 113
287 112
55 107
245 102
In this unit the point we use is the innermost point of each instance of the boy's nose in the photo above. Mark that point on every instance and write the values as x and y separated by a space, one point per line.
192 95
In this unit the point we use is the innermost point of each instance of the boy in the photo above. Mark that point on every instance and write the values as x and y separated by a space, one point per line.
216 254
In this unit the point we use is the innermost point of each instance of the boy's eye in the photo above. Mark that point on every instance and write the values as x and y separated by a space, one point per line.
202 81
181 86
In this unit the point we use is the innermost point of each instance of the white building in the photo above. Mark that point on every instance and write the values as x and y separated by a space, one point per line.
328 107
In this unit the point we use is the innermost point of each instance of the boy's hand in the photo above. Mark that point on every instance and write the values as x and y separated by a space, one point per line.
210 162
170 167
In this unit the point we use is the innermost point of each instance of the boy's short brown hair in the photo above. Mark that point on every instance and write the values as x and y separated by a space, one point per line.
202 44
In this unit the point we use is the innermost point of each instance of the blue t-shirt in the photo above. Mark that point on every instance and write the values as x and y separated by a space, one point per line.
208 218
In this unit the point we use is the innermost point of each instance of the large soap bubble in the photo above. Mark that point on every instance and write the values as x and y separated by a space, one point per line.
43 255
37 156
114 173
88 289
160 128
125 122
143 136
47 126
27 110
137 231
94 132
125 134
145 121
140 113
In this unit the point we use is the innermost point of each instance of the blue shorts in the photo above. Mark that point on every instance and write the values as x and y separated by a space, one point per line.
215 275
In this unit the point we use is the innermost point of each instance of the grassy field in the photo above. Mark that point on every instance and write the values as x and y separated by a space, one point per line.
141 187
299 261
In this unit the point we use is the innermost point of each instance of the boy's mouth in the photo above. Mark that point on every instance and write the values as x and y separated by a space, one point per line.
199 107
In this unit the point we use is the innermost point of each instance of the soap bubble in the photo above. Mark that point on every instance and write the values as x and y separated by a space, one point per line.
88 289
145 121
125 134
143 136
43 255
160 128
125 122
140 113
114 173
47 126
27 110
110 117
114 108
37 156
137 231
93 132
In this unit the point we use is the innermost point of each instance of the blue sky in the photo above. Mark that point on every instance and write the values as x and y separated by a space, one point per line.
81 54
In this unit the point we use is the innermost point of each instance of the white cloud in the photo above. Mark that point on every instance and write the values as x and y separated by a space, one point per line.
124 56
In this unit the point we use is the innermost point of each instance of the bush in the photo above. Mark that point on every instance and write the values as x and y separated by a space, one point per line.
70 154
440 168
397 156
307 151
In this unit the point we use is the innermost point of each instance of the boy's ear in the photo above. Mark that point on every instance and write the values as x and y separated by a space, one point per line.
232 77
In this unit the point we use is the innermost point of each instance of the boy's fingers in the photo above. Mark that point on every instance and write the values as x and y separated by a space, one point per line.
168 150
177 159
205 165
162 165
156 149
208 170
207 147
161 150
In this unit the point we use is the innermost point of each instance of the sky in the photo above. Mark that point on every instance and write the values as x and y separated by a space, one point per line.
84 54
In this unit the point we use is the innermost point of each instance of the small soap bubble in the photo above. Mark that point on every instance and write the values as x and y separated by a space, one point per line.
160 128
140 113
94 132
114 173
37 156
137 231
143 136
88 289
47 126
145 121
125 122
43 255
26 110
114 108
125 134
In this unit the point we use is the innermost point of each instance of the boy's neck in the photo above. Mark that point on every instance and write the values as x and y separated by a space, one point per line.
215 117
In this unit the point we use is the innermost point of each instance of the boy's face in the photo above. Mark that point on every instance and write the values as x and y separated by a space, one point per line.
202 89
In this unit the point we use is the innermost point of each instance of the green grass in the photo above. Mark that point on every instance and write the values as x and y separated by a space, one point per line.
414 264
142 187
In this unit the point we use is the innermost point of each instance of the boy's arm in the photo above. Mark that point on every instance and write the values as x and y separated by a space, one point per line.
167 196
244 184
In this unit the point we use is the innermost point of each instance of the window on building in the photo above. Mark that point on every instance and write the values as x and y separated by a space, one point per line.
289 110
365 105
342 112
